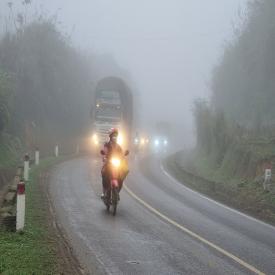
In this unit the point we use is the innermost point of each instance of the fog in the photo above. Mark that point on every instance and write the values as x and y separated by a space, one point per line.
169 48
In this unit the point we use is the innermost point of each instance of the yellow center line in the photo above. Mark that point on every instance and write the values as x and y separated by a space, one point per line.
194 235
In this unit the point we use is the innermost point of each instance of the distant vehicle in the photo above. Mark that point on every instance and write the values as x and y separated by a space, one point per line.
140 143
112 108
160 144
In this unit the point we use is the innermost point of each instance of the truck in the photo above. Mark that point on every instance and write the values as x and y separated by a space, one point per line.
112 108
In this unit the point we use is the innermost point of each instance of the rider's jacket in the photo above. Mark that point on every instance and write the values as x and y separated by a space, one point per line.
111 148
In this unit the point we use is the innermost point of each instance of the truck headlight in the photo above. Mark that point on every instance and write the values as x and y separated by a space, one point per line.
120 139
95 139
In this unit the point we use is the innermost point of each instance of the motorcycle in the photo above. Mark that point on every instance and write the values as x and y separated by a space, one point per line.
115 166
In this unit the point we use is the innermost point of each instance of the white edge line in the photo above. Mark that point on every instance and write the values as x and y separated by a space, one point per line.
213 201
224 252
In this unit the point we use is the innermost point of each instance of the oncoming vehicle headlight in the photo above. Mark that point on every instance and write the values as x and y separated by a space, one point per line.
165 142
156 142
116 162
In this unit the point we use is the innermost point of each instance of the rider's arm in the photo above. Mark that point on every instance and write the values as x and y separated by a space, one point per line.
106 151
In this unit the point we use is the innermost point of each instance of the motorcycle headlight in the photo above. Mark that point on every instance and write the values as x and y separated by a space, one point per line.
116 162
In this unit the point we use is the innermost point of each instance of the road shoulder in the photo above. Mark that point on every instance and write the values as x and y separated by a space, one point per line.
67 262
240 198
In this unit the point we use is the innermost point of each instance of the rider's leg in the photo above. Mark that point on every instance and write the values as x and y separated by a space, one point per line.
104 175
120 185
121 180
104 185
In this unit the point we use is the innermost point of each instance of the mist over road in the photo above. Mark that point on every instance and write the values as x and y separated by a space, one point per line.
147 236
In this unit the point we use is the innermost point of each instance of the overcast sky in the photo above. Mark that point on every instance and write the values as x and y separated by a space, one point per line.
168 46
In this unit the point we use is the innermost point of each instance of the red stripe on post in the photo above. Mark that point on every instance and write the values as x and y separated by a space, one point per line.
21 188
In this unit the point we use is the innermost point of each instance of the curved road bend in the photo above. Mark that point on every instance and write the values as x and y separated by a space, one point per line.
161 226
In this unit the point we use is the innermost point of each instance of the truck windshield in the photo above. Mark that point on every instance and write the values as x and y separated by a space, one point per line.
109 97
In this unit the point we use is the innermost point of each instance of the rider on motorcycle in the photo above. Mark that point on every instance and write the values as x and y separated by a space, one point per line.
110 148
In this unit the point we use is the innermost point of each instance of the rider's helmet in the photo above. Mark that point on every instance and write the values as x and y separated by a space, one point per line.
113 132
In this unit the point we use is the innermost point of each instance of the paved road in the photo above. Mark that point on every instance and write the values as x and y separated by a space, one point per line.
161 226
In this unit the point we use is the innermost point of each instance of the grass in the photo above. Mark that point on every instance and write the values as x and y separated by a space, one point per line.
10 149
34 251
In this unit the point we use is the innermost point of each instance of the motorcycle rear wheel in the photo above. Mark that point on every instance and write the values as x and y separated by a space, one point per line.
114 200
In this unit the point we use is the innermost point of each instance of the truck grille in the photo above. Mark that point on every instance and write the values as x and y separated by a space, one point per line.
102 131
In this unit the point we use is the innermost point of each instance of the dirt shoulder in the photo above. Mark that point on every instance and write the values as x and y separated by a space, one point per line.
67 262
248 197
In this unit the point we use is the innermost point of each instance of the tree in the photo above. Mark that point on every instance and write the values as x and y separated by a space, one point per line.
243 83
5 96
51 81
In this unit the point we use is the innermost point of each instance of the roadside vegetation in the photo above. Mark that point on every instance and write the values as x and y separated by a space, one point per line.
10 148
45 83
236 127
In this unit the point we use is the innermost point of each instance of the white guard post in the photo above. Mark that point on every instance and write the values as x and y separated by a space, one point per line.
37 157
56 151
26 167
267 174
267 179
20 206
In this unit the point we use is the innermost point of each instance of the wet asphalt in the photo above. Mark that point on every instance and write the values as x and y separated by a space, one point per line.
139 241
